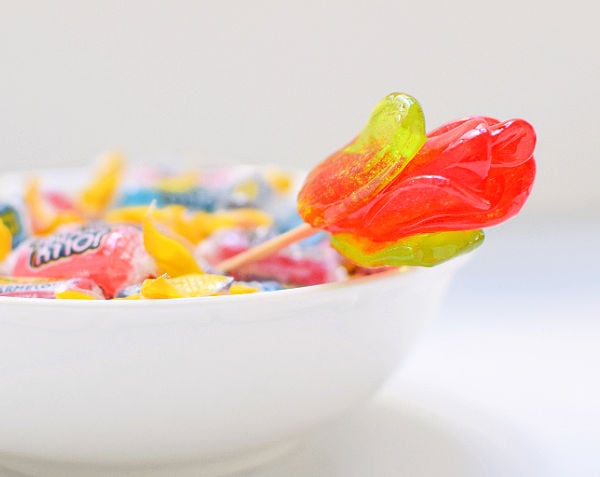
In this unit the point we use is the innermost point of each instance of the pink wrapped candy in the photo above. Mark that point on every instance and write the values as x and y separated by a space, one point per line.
114 257
296 265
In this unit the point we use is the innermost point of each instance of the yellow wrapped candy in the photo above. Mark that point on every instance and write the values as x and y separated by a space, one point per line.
98 195
5 241
185 286
171 255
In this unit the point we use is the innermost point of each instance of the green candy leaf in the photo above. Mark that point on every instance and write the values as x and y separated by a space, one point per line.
424 250
396 127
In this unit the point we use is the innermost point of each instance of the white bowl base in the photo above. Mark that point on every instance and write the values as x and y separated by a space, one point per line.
233 464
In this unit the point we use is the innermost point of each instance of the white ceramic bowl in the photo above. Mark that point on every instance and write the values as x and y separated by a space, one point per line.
198 386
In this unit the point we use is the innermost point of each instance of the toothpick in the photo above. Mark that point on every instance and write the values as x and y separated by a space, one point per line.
267 248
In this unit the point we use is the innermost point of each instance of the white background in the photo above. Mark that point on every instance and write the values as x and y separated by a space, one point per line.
289 82
506 382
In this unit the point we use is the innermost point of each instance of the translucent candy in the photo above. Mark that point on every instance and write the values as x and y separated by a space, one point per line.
416 250
393 196
469 174
352 176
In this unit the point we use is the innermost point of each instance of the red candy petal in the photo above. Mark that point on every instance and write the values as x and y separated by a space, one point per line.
350 177
472 173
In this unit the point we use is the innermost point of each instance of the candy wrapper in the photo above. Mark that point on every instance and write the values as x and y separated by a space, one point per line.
73 288
297 265
190 285
113 257
219 191
13 218
395 195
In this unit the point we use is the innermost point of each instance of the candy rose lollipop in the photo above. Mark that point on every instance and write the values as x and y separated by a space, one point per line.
398 196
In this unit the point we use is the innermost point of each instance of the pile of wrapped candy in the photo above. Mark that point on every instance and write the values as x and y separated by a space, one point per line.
394 196
157 233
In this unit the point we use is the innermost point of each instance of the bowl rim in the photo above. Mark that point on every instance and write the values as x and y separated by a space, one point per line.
235 299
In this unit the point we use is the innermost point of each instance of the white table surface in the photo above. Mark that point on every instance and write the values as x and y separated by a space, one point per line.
504 383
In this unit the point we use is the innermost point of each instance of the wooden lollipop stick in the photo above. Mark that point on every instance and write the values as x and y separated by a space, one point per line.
267 248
